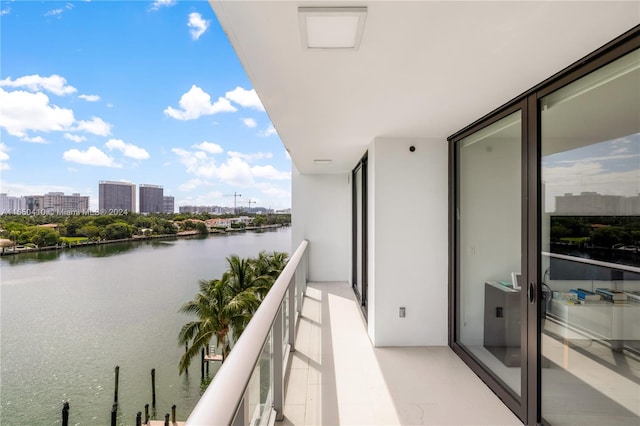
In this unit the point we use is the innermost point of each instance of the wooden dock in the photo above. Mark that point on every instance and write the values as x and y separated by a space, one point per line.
161 423
213 358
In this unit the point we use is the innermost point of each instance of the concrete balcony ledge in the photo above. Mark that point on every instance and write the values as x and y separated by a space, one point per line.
336 377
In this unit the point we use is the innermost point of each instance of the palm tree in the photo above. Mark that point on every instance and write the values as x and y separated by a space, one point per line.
225 306
269 266
219 310
242 276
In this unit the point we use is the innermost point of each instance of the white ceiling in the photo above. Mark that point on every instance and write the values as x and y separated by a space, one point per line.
425 69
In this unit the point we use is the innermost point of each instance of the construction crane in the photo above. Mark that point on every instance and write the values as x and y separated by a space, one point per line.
250 202
235 198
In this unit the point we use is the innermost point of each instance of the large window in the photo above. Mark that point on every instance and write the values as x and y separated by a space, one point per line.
545 229
489 247
590 244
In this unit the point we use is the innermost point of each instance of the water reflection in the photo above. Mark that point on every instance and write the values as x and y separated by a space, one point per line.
101 250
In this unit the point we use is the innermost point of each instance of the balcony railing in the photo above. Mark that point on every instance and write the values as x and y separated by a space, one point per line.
249 386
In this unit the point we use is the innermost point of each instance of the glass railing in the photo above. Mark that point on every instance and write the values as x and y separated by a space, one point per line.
248 389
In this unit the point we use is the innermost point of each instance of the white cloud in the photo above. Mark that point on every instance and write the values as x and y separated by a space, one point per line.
250 157
5 11
96 125
163 3
74 138
36 139
21 188
21 111
190 185
4 157
54 84
210 147
92 157
270 130
245 98
195 103
273 191
269 172
235 172
129 150
249 122
197 163
90 98
54 12
197 24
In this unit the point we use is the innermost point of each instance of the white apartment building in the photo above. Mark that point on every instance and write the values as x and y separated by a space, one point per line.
472 116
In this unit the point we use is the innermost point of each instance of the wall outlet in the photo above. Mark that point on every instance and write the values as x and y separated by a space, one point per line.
403 312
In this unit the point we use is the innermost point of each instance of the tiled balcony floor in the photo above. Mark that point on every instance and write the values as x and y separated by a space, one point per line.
338 378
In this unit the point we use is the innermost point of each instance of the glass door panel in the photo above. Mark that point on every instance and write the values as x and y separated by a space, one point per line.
489 233
358 245
590 248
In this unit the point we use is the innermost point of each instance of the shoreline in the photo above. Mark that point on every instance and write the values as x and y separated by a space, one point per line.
10 251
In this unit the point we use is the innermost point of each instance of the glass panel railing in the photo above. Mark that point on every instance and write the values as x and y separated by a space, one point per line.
249 386
260 390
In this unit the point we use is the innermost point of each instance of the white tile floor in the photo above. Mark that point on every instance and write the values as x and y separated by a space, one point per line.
338 378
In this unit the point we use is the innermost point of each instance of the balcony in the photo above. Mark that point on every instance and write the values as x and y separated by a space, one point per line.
336 377
330 374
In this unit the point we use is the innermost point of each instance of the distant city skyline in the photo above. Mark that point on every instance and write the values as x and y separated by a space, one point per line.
595 204
138 91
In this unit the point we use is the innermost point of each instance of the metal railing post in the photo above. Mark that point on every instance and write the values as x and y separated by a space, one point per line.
292 315
278 371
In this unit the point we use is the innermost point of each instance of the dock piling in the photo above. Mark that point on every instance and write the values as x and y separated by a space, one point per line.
139 419
65 413
146 414
202 366
153 387
115 392
166 419
173 413
114 414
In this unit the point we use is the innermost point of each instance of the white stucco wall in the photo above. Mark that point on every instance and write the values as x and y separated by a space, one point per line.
321 213
408 242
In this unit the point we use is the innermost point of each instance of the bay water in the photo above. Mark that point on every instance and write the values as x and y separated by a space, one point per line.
68 317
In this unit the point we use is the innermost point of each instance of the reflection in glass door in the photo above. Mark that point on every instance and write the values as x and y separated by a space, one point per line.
489 229
590 248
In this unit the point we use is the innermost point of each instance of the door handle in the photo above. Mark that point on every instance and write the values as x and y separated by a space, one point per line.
532 292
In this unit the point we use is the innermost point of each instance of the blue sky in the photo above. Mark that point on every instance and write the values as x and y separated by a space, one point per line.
138 91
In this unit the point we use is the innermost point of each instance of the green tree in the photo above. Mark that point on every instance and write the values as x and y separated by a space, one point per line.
90 231
225 306
202 227
259 220
117 231
219 311
45 237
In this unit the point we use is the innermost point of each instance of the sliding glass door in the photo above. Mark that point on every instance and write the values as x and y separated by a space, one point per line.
359 232
545 236
489 251
590 248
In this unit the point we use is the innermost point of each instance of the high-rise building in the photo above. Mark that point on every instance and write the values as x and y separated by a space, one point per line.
116 196
151 199
168 204
595 204
58 203
50 203
12 205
